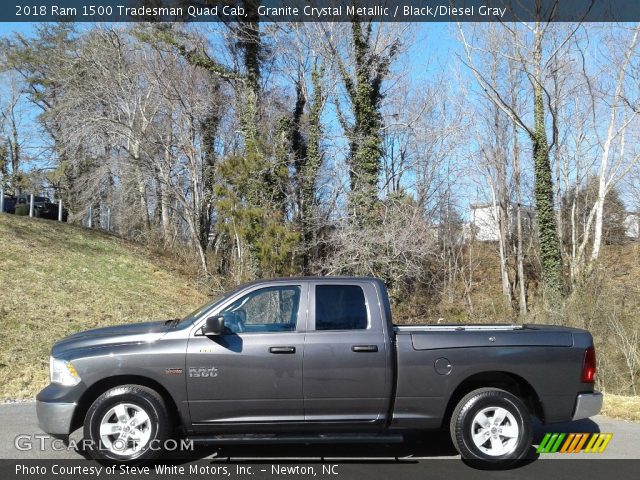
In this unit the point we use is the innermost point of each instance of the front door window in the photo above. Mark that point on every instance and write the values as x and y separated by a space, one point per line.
273 309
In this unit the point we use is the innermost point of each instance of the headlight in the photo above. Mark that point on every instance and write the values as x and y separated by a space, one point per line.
63 372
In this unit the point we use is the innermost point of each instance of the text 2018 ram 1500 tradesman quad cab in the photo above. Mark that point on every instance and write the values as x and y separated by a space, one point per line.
314 358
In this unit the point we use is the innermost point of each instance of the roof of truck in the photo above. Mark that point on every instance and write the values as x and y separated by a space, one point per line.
315 279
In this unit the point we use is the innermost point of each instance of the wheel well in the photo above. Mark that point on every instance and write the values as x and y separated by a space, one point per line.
98 388
510 382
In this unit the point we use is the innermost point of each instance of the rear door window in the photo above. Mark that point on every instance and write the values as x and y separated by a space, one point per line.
341 307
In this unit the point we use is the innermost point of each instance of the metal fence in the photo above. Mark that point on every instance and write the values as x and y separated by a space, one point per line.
31 205
87 220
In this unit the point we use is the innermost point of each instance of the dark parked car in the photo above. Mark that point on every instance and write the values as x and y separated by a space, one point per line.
315 359
9 204
42 207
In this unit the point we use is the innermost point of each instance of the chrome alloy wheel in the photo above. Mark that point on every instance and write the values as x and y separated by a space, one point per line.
495 432
125 429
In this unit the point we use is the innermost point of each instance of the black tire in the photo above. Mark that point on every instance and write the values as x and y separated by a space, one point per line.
483 400
135 397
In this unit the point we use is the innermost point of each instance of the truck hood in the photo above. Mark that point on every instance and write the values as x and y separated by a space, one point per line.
120 334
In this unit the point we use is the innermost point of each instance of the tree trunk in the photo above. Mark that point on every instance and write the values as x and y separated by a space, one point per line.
15 156
522 288
602 181
165 207
550 258
209 129
517 181
309 170
364 88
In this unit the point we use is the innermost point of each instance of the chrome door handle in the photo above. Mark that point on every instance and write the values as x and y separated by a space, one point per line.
364 348
281 350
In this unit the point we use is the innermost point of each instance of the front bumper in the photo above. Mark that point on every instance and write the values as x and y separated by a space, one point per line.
56 405
587 405
55 418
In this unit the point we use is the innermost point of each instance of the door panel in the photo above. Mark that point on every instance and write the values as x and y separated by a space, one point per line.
347 372
252 374
250 384
343 385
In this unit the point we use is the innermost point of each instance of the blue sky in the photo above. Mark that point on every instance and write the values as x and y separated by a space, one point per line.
429 54
21 27
432 53
431 47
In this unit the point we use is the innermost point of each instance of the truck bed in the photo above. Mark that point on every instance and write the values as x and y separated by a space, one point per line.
433 360
429 337
456 327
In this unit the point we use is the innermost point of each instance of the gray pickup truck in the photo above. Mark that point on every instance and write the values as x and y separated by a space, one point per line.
314 359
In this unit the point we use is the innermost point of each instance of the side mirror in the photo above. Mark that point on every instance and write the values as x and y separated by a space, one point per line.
213 326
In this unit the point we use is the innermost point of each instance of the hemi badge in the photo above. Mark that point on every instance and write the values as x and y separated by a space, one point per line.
173 371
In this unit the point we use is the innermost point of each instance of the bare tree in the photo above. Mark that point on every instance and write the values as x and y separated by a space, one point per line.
497 163
10 117
526 45
615 160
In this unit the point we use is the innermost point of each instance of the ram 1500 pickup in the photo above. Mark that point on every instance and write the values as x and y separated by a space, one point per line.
314 359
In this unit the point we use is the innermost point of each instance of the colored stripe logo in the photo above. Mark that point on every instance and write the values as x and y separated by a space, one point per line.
574 442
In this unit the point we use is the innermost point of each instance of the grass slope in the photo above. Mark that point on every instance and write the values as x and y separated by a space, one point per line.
623 407
57 279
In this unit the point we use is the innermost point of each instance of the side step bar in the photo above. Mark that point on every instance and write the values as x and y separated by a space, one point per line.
284 439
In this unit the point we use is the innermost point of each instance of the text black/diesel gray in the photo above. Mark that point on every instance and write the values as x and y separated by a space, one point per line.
310 359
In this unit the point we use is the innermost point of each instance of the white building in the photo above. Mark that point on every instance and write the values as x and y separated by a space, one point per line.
632 225
484 221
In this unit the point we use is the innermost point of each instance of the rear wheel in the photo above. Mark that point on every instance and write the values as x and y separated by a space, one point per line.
491 425
127 423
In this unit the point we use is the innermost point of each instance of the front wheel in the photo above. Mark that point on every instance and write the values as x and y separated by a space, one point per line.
491 425
128 423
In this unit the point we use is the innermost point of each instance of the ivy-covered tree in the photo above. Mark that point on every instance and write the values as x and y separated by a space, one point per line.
247 190
253 185
308 168
363 85
301 140
4 170
527 46
549 242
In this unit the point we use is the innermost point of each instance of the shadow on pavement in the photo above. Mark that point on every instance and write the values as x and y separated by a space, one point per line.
431 445
416 447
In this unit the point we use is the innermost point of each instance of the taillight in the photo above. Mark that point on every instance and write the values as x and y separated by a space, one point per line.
589 366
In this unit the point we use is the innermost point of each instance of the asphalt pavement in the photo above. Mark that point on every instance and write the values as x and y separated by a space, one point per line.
428 455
